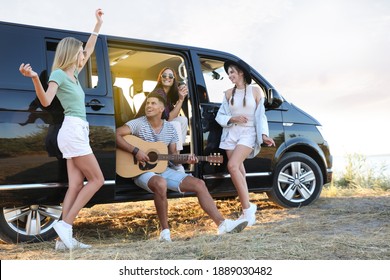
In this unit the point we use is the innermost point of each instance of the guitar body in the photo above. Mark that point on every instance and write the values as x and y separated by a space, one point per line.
127 166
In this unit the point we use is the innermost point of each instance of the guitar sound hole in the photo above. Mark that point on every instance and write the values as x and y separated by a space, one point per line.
153 156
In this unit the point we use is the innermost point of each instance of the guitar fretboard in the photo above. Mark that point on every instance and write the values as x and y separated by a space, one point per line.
180 157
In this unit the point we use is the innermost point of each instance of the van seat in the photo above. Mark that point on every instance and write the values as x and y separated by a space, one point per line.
123 111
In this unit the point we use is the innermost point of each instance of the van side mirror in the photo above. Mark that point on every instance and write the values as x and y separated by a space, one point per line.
274 100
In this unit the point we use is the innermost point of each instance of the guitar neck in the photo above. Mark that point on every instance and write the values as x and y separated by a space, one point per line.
180 158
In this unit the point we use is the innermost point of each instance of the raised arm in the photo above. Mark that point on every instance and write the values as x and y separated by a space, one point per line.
90 46
183 92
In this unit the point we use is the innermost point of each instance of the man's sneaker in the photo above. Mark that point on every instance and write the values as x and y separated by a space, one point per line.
76 244
165 236
249 214
65 233
230 226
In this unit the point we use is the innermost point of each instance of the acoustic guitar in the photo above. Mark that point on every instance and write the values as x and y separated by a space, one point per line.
127 165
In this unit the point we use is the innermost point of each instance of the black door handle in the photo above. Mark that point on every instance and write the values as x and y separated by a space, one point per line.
95 104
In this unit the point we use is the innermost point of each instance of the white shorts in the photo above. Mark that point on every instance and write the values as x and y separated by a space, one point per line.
239 135
73 138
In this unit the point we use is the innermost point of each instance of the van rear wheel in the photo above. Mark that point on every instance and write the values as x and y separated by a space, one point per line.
297 181
31 223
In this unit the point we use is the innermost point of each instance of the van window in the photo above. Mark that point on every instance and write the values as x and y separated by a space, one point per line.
89 78
14 51
216 79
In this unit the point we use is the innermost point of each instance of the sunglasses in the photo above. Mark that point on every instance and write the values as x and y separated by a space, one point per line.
170 76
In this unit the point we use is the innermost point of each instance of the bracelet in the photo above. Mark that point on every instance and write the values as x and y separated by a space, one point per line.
95 33
135 151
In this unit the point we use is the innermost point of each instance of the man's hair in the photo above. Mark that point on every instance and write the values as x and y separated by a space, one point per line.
158 96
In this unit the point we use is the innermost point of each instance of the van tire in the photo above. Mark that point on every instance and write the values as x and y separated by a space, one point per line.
33 223
297 181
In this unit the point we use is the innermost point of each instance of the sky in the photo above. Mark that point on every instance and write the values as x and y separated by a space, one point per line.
330 58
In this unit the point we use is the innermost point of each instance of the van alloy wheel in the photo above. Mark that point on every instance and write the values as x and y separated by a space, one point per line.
28 223
297 181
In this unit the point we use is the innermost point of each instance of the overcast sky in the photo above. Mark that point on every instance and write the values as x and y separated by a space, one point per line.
331 58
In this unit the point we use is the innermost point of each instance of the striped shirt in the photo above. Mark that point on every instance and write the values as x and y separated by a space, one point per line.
141 128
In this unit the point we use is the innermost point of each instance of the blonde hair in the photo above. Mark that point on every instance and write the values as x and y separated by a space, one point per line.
66 53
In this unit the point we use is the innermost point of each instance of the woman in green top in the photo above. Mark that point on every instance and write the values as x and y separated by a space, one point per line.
73 137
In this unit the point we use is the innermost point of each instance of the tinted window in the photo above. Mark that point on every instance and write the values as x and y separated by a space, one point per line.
216 79
89 77
17 46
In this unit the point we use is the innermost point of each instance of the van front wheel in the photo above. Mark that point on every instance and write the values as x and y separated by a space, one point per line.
31 223
297 181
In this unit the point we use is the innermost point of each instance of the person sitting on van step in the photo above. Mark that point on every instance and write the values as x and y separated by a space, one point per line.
153 128
174 94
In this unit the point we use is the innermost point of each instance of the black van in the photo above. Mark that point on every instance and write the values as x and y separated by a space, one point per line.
118 76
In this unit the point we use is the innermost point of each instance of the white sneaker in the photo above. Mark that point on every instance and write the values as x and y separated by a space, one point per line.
230 226
249 214
76 244
65 233
165 236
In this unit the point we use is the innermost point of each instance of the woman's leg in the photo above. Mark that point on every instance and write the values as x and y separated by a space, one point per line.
90 169
184 126
177 127
237 172
181 125
76 180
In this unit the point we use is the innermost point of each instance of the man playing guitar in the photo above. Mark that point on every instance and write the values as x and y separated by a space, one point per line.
151 128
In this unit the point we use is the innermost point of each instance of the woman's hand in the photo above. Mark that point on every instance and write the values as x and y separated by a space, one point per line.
238 119
183 92
99 13
27 71
268 141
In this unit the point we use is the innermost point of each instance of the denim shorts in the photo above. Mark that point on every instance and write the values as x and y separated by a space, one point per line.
239 135
73 138
173 178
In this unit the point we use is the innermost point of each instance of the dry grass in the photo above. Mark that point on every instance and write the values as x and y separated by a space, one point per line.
352 225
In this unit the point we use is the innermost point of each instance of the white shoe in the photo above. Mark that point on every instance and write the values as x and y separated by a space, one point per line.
165 236
249 214
230 226
76 244
65 233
